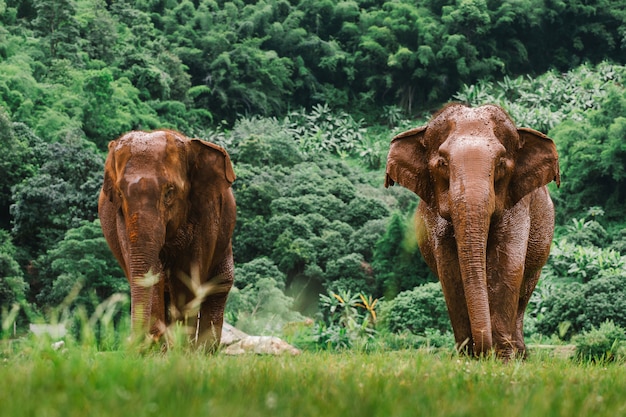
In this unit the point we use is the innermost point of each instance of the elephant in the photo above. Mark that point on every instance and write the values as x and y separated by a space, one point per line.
168 213
485 220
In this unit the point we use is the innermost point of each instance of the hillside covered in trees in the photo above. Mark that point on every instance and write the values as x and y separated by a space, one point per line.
305 95
107 66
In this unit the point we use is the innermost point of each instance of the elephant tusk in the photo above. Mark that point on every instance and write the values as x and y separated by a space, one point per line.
197 327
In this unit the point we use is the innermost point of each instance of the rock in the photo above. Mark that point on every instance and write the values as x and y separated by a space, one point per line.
261 345
236 342
55 331
231 335
58 345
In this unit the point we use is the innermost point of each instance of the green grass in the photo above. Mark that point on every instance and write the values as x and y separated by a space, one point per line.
78 381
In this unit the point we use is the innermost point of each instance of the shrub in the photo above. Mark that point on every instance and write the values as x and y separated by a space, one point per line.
417 310
82 262
587 233
322 130
581 263
261 308
600 344
251 272
583 306
348 320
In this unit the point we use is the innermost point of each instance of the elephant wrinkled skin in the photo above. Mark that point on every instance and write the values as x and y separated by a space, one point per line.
485 219
168 213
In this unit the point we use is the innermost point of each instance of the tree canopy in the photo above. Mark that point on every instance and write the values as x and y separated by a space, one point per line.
108 66
305 96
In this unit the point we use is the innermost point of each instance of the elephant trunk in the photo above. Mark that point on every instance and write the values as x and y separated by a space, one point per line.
472 207
146 277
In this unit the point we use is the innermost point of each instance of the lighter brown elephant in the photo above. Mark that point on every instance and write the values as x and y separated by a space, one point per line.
485 220
168 212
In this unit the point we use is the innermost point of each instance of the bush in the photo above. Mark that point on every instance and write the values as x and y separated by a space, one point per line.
601 344
587 233
322 130
570 262
348 321
583 306
252 272
262 308
81 261
13 287
417 310
348 273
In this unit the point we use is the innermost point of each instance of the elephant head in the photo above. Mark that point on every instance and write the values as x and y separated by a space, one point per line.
471 166
157 188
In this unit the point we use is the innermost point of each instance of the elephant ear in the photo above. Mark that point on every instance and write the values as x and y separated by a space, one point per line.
108 185
536 164
407 164
210 167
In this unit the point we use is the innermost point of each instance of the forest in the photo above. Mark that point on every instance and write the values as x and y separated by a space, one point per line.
306 95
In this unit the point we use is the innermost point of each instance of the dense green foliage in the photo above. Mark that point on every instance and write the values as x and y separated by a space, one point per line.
305 96
421 308
602 344
108 66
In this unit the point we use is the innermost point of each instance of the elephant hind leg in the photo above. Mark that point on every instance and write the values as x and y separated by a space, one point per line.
530 281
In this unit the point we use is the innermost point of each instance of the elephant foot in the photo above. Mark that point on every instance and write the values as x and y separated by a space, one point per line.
465 347
209 340
510 351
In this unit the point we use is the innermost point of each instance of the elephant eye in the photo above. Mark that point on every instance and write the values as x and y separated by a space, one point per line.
168 196
441 167
501 167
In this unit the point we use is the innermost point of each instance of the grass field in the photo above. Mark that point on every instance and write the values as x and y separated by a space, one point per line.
78 381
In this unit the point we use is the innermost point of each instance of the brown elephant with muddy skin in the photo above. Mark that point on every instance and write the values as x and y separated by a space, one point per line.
485 220
168 213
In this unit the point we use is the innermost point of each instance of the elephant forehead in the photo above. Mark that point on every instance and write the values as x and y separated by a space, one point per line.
152 144
141 155
483 125
138 181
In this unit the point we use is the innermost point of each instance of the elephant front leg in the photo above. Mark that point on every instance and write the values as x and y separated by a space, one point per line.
506 258
211 319
452 286
446 267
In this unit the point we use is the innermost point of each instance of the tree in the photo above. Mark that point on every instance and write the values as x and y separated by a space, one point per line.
417 310
594 164
13 287
18 160
112 107
398 265
63 193
81 262
249 80
363 209
56 24
349 273
99 28
572 308
251 272
258 304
